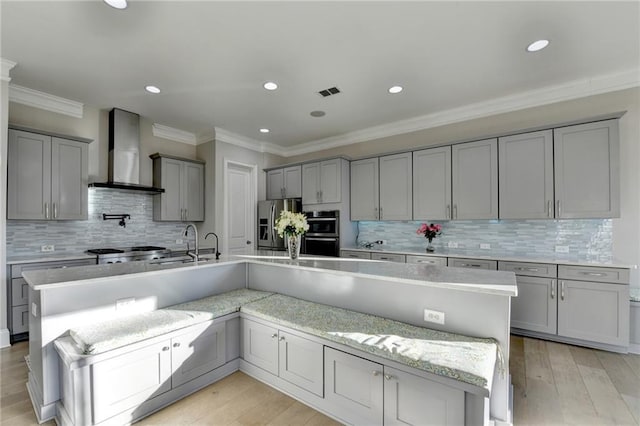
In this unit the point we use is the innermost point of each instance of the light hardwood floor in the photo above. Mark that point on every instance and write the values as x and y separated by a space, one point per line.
554 384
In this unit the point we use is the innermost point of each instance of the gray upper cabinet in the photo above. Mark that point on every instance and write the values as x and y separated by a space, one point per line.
432 184
47 177
183 182
364 189
396 195
587 161
475 180
526 176
321 182
284 183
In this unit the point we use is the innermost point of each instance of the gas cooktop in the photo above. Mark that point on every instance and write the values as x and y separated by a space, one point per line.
128 254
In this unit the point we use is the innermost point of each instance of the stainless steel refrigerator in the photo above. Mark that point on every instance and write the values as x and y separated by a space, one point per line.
268 212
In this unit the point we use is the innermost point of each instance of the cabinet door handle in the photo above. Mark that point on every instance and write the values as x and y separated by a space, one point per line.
55 210
375 213
455 211
448 215
375 373
388 376
562 290
186 214
526 269
549 213
176 345
559 208
165 348
553 289
381 213
594 274
46 210
471 265
281 338
274 335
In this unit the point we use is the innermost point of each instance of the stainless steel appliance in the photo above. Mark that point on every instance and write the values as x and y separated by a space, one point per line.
323 236
129 254
268 212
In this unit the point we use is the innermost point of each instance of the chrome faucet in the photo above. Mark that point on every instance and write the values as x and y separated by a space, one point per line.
195 256
215 235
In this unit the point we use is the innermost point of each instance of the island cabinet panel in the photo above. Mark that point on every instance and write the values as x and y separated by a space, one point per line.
586 163
432 184
128 380
396 181
475 180
197 352
292 358
354 387
412 400
535 308
526 176
365 189
597 312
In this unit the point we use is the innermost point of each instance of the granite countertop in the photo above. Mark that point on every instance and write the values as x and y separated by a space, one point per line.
495 255
466 359
493 282
634 294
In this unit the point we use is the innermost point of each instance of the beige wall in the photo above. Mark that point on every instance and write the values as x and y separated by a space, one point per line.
95 125
207 152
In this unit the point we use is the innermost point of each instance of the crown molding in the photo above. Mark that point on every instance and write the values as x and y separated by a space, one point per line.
5 69
206 136
548 95
226 136
173 134
37 99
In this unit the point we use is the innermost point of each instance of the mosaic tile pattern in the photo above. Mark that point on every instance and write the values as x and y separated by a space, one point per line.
587 239
24 237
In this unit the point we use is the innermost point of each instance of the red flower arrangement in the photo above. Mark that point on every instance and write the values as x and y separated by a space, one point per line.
430 231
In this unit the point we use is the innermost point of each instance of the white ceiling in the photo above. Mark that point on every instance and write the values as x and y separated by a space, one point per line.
211 58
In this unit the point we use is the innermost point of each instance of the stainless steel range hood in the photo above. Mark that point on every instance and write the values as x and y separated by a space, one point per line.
124 153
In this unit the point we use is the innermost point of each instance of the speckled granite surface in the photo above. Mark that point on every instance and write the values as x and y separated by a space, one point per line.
467 359
634 293
221 304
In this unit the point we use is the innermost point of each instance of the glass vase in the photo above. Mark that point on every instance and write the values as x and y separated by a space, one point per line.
430 248
293 246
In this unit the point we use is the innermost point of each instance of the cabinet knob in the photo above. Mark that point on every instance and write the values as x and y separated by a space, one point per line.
165 348
281 338
176 345
375 373
274 335
388 376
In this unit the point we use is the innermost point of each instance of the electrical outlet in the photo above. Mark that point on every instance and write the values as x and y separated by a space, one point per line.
179 241
453 244
485 246
34 309
562 249
434 316
47 248
122 304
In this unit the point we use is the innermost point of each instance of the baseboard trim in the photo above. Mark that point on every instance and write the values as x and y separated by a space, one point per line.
44 413
5 338
634 348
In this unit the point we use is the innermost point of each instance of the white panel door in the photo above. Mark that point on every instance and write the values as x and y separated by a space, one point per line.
536 306
275 184
292 182
396 182
240 208
475 180
364 189
301 362
587 175
311 183
432 184
197 352
526 176
413 400
330 181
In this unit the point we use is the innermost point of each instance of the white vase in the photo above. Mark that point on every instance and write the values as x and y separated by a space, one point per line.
293 245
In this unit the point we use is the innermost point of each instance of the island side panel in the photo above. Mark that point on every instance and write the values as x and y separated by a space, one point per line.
466 312
61 308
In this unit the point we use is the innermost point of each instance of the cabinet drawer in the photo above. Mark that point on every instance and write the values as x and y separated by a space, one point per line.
593 273
20 319
17 270
355 254
388 257
490 265
428 260
544 270
19 292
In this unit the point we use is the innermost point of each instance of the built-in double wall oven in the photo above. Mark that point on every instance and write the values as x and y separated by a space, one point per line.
323 236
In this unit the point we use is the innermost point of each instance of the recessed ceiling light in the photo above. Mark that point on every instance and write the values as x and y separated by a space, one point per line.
317 113
395 89
270 85
537 45
152 89
263 130
117 4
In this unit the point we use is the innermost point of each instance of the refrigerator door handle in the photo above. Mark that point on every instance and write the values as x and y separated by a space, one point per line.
272 223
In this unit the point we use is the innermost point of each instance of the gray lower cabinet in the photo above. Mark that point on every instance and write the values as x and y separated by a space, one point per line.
490 265
388 257
183 182
365 392
47 177
292 358
197 352
18 293
355 254
427 260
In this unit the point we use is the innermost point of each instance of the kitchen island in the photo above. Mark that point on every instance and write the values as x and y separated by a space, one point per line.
471 303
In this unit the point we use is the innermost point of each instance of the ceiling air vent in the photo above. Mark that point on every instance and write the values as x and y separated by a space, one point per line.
328 92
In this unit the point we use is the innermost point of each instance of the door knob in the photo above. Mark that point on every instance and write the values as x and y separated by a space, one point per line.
248 242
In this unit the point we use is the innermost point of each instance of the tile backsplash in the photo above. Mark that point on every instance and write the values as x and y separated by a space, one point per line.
25 237
584 239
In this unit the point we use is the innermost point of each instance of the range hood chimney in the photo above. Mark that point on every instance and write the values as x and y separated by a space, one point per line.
124 153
